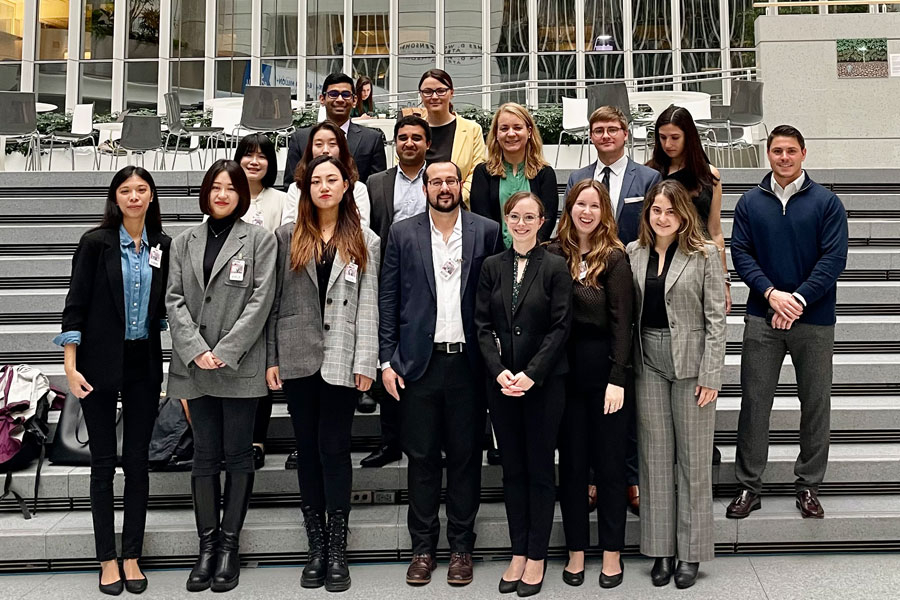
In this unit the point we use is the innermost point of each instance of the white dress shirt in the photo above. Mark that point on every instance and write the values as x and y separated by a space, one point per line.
616 176
784 193
449 324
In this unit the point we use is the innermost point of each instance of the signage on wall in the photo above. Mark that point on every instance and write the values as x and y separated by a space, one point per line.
895 65
862 58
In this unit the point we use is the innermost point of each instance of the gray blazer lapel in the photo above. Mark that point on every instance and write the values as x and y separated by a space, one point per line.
387 188
336 267
627 180
353 137
196 248
311 271
679 262
233 245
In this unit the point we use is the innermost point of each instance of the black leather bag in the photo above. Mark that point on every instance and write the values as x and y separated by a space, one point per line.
70 442
172 442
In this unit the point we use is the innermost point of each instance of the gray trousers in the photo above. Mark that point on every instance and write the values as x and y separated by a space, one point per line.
764 348
673 429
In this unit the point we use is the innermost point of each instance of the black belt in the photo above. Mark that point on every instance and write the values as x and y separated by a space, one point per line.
450 347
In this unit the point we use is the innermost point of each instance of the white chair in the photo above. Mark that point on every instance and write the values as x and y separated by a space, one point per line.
82 130
229 119
574 124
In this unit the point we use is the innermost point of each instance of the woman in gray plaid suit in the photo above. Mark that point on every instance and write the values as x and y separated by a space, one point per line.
322 349
678 361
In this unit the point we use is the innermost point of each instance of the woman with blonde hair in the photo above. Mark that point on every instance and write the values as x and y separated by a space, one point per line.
515 163
599 349
679 357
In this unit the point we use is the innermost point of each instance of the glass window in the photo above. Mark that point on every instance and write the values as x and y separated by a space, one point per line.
10 77
317 71
506 69
186 78
699 62
377 69
95 85
409 71
324 28
371 32
12 18
603 26
50 84
233 24
652 25
700 23
556 26
466 73
556 66
231 77
188 29
280 73
417 33
653 65
509 26
143 29
279 28
141 84
741 60
97 42
462 27
608 65
743 15
53 30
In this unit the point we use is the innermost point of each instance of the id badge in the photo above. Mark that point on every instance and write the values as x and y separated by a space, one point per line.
156 257
350 272
448 268
257 218
582 270
236 273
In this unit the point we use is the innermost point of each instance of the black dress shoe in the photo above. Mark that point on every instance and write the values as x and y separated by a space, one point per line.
611 581
573 579
663 568
808 503
111 589
136 586
259 457
686 574
291 463
523 590
381 457
743 504
366 404
508 587
493 456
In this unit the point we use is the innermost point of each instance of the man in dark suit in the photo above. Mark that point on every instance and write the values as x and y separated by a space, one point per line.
366 144
396 194
627 183
431 364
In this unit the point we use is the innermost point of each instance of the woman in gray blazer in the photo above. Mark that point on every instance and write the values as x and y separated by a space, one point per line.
322 349
678 362
221 285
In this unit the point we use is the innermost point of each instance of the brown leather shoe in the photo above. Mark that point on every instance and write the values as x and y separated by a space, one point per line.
808 503
420 568
634 499
460 571
743 504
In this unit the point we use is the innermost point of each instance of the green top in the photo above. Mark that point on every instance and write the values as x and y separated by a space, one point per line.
509 185
355 112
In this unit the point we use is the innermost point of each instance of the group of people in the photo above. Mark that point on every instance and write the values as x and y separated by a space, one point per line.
445 287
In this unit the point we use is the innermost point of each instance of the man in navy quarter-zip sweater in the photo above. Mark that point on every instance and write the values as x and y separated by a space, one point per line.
789 245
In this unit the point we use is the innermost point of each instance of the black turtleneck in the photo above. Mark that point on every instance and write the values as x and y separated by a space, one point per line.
218 232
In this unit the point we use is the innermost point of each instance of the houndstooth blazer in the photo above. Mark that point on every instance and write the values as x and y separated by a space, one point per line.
695 303
299 343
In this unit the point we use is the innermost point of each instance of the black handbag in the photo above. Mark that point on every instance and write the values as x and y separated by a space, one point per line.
70 443
172 442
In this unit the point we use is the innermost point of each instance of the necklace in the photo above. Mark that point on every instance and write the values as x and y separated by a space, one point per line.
216 235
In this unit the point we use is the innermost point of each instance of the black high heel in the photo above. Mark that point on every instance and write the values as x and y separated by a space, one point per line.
523 590
663 567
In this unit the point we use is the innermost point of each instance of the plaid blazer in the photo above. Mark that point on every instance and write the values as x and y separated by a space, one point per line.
695 302
299 343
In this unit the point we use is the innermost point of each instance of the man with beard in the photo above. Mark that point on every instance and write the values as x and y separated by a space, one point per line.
431 365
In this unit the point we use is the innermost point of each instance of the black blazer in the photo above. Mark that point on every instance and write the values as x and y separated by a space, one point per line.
95 306
484 199
366 147
381 198
407 300
533 339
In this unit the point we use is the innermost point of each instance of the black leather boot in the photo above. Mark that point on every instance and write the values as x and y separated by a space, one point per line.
206 492
238 487
316 566
337 577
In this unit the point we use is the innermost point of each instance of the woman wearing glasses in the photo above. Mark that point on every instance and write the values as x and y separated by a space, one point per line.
453 138
523 311
515 163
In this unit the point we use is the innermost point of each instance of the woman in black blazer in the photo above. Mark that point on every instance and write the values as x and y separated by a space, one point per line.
110 331
523 311
515 164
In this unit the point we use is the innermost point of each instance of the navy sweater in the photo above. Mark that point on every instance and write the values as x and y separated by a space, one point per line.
798 248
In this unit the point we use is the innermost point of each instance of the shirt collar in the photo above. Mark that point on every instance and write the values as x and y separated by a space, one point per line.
401 173
457 227
127 241
520 168
792 188
617 167
346 126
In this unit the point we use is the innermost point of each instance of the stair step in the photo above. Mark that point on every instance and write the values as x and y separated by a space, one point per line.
63 233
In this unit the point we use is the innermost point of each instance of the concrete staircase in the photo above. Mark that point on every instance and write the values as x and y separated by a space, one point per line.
42 216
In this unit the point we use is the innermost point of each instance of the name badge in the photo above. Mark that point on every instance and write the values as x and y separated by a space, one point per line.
582 270
257 218
350 272
449 268
236 273
156 257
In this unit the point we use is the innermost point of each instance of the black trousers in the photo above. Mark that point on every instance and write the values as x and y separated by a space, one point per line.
389 414
140 403
261 421
588 438
322 415
443 409
526 428
223 430
630 408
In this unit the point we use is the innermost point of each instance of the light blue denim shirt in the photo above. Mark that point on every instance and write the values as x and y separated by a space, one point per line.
409 195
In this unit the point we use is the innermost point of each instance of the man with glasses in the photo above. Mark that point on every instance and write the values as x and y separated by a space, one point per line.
431 365
366 144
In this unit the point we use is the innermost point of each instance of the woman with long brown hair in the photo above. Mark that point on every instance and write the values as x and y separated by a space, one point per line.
324 358
365 99
594 429
679 358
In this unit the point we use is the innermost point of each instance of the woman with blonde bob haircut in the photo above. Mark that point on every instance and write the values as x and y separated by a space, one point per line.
515 163
679 357
594 429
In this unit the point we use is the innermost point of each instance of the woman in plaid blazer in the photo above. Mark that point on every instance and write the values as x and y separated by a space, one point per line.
323 349
678 362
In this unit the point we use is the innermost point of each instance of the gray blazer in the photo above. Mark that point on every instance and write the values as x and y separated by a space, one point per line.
299 343
225 316
695 301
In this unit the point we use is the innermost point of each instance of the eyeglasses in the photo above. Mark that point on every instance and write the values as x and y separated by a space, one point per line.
608 130
438 183
334 94
441 92
527 219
